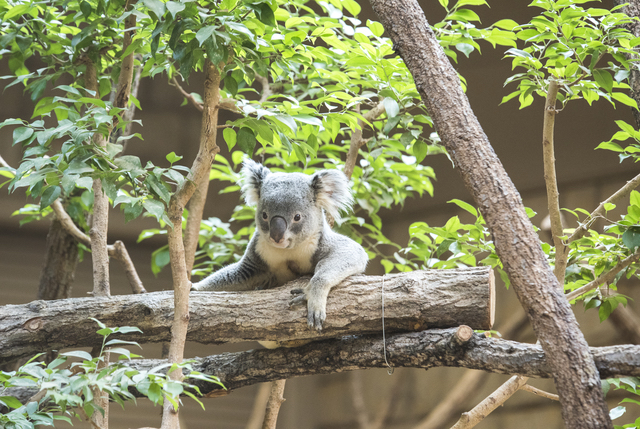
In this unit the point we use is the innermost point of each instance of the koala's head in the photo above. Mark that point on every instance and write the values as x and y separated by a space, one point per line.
290 205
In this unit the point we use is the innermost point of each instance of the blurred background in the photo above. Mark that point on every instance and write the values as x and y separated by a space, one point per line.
586 177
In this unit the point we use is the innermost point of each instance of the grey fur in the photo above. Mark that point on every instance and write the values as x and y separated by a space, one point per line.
284 247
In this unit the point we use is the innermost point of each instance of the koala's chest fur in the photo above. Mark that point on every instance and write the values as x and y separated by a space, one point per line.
289 264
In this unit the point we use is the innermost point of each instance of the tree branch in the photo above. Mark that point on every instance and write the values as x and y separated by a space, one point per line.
179 267
413 301
613 199
117 250
529 388
516 242
604 278
276 398
356 138
427 349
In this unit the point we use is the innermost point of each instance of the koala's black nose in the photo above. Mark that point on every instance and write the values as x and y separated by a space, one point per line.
277 228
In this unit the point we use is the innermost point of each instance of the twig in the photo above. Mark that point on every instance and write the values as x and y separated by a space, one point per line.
181 284
266 88
613 199
117 250
187 95
356 138
551 182
3 163
529 388
276 399
490 403
604 278
257 413
469 382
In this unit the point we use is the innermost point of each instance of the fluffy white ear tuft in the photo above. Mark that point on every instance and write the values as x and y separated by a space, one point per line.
332 192
253 174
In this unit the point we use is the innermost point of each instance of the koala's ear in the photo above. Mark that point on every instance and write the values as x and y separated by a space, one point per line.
331 189
253 174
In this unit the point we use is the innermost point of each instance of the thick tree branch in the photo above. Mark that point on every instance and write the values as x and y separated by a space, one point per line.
516 243
413 301
426 349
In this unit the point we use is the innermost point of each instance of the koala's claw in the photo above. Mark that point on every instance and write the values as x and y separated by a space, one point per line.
298 300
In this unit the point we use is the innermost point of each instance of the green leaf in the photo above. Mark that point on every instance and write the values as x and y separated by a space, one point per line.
132 211
79 354
230 85
420 150
230 137
265 14
204 33
506 24
465 206
86 9
175 7
391 107
172 157
616 412
155 6
49 196
155 207
604 79
376 28
10 402
631 238
246 140
624 99
21 134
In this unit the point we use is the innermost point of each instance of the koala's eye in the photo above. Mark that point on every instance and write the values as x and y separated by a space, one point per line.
297 217
264 215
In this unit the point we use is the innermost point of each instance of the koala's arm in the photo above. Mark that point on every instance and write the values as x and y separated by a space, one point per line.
248 273
338 258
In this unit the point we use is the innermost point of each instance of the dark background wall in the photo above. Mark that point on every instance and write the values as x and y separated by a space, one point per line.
585 177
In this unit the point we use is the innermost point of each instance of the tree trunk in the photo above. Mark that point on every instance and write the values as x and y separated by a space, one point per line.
517 245
60 261
413 301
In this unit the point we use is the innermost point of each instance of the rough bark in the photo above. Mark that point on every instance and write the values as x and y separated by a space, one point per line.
413 301
427 349
60 261
100 219
181 284
517 245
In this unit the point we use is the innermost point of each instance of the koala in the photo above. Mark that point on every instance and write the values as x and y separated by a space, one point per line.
292 238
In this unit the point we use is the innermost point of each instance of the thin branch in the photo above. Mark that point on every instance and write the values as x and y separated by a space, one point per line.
181 284
529 388
276 398
198 105
4 164
356 138
266 88
627 324
613 199
490 403
117 250
551 182
257 413
604 278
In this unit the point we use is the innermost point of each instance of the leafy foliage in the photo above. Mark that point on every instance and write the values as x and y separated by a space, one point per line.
68 383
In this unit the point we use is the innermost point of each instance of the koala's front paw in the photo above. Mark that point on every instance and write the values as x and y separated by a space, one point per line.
316 307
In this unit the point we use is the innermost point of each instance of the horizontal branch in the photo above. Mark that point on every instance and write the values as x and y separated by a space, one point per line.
427 349
413 302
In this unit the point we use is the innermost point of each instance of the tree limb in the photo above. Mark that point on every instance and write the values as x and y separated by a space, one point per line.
413 301
427 349
276 398
604 278
516 243
613 199
356 138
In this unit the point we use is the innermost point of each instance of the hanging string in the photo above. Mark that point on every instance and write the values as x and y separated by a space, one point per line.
384 338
